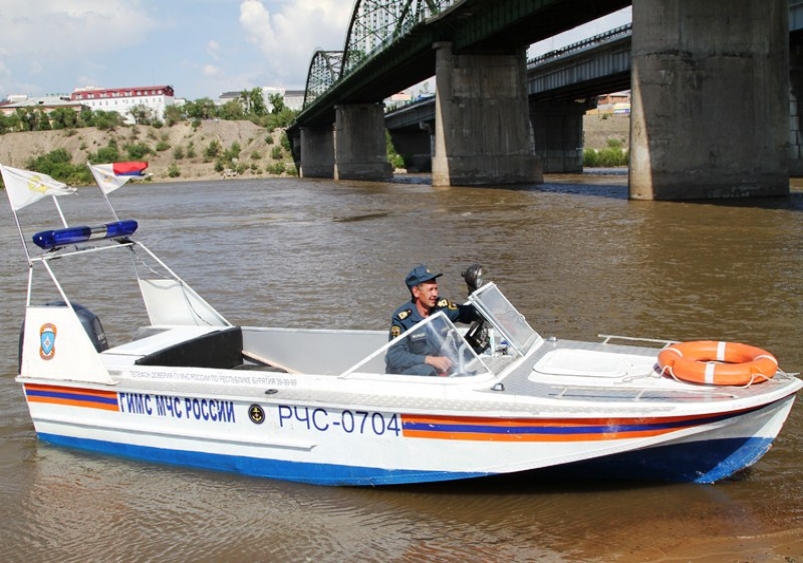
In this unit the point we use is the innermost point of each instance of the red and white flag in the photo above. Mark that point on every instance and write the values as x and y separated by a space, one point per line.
111 176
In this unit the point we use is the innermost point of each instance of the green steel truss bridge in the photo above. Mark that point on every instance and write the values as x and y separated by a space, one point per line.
389 43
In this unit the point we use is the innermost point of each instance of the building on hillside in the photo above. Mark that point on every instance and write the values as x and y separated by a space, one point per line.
228 97
44 103
124 100
617 102
398 100
293 99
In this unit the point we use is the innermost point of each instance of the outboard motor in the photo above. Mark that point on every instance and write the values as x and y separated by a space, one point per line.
89 321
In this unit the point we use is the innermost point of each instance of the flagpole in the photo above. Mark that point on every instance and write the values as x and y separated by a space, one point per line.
58 207
22 238
106 197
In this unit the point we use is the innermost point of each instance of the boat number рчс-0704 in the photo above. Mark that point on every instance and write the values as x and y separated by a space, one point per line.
350 422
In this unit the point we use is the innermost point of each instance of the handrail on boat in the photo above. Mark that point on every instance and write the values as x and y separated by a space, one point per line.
51 255
562 391
608 337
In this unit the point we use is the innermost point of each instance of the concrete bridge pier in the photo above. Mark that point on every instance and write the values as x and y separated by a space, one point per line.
796 112
558 127
710 99
482 126
360 151
317 152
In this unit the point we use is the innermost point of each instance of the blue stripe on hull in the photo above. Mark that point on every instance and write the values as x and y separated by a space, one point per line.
312 473
701 462
697 462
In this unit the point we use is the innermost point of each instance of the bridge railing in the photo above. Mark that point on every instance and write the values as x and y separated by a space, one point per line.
324 71
375 26
616 33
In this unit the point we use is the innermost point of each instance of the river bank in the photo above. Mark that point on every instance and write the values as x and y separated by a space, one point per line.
182 153
191 151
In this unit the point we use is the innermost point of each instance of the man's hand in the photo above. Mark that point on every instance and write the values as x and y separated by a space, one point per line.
441 363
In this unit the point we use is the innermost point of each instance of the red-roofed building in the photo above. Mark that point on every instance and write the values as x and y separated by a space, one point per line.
123 100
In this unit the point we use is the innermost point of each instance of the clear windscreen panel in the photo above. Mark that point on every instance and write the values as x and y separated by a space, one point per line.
504 316
435 336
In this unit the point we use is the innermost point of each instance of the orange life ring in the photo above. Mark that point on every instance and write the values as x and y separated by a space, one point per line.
717 363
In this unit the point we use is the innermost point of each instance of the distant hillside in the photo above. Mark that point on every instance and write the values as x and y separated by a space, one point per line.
260 152
599 129
259 157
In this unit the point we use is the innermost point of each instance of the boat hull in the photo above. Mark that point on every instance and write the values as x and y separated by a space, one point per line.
335 446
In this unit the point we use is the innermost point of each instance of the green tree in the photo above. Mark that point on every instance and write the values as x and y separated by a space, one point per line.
231 111
202 108
25 119
58 164
279 120
245 101
106 120
42 120
277 103
142 114
394 158
12 123
85 117
257 102
63 118
213 149
233 152
110 153
138 151
173 114
5 124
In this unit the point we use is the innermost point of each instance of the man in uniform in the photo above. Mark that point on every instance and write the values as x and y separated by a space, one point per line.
420 354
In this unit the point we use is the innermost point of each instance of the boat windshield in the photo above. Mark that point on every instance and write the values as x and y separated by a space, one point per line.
504 317
434 336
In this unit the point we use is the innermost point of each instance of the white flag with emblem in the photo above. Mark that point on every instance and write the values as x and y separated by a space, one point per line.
24 187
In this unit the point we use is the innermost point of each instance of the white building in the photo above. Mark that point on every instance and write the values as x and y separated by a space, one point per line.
44 103
123 100
293 99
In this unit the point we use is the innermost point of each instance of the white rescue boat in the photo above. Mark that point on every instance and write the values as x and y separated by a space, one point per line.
319 406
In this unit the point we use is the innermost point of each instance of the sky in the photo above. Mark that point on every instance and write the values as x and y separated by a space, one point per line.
200 47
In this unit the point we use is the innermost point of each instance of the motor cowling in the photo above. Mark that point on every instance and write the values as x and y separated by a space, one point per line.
90 322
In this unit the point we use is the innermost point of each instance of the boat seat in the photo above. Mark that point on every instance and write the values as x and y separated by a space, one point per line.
221 349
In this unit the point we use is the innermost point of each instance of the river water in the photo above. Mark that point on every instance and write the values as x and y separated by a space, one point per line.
573 254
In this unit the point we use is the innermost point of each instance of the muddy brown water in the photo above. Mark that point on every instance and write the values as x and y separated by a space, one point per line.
574 255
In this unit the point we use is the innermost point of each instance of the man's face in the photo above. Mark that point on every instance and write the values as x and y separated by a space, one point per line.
426 293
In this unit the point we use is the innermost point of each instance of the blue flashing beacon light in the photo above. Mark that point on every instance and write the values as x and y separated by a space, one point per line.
73 235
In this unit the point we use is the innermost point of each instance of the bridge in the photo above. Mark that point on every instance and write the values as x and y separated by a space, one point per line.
561 86
689 138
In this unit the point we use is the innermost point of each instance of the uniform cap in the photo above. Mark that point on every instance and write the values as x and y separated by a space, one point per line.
420 274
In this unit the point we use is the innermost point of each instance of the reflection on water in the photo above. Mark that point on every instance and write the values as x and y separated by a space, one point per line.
577 259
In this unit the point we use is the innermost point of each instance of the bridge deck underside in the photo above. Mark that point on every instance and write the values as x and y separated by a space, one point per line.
471 26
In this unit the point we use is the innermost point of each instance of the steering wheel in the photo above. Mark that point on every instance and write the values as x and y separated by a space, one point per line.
477 336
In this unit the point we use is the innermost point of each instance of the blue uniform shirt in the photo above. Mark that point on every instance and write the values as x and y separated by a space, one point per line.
408 358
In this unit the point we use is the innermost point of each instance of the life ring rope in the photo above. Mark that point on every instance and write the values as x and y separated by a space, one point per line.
717 363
